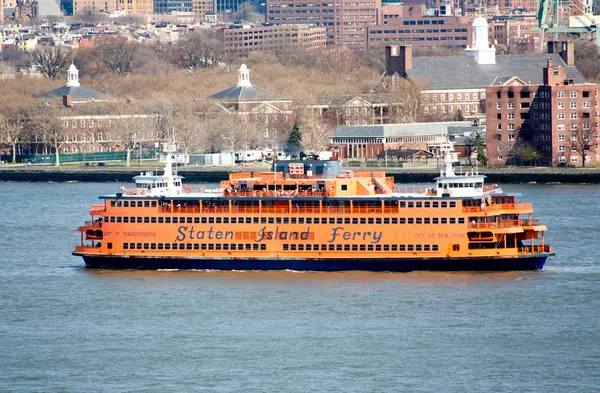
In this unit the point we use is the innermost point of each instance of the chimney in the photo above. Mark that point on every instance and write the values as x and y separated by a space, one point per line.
67 101
553 47
553 76
398 59
567 52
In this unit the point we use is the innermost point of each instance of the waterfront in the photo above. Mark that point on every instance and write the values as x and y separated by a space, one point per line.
65 328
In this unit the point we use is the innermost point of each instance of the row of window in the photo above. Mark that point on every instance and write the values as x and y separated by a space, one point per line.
224 202
360 247
284 220
468 96
195 246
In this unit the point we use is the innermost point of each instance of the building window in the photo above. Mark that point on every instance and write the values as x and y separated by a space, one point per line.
573 116
511 126
511 105
561 137
561 116
474 96
561 127
573 105
474 108
561 148
458 96
499 127
498 106
511 137
585 104
511 116
573 94
560 94
482 96
574 159
561 105
573 127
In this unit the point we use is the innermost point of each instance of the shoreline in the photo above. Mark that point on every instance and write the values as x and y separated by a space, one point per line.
215 174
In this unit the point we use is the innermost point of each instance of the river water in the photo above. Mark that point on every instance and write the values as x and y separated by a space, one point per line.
66 328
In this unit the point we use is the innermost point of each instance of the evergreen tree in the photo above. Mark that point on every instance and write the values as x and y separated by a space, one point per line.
480 149
294 142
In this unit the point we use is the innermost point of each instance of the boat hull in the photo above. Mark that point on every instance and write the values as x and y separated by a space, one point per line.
530 262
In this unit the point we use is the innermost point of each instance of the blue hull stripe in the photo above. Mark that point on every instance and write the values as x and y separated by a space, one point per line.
342 264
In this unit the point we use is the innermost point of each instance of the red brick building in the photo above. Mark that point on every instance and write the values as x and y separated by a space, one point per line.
554 123
243 40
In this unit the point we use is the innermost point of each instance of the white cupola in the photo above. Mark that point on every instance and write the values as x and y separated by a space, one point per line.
244 76
480 48
73 76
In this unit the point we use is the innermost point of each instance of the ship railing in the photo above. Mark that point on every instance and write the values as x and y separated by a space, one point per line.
535 249
274 194
97 208
529 222
413 190
92 224
366 209
495 207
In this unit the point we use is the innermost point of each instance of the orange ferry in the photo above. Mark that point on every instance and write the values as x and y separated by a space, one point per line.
313 215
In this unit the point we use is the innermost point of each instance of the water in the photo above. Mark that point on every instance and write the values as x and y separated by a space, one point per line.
65 328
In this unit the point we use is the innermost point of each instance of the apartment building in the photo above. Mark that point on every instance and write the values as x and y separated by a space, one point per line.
557 120
243 40
136 7
345 21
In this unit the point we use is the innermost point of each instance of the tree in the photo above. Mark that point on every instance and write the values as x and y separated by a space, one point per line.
525 152
405 104
117 55
480 149
337 60
198 50
49 129
294 143
316 132
583 139
50 61
13 128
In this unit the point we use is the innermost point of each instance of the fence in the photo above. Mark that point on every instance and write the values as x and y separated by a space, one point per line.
50 159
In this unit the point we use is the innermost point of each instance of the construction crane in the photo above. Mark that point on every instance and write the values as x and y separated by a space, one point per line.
549 18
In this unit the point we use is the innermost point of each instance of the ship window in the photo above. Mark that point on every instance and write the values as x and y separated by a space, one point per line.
204 220
338 247
234 220
346 221
203 246
331 247
419 220
402 220
153 204
286 220
225 220
255 220
378 221
146 203
196 220
435 220
452 220
453 204
125 204
174 246
346 247
411 204
456 247
255 246
182 246
394 220
189 220
211 220
175 220
132 246
386 220
119 203
138 246
426 247
370 247
444 204
263 220
153 246
211 246
308 247
411 247
355 247
363 220
161 220
427 220
167 220
218 220
153 220
146 220
294 221
112 219
355 220
263 246
248 246
167 246
418 247
427 204
300 247
362 247
309 220
248 220
371 220
293 247
411 220
301 220
196 246
146 246
402 247
443 220
126 219
218 246
419 204
277 220
286 247
323 247
139 203
461 220
113 203
344 187
435 204
402 204
188 246
160 246
394 247
125 246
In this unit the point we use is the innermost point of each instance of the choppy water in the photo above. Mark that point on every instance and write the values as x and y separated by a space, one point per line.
65 328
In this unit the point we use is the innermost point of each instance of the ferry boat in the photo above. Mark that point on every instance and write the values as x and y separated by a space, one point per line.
314 216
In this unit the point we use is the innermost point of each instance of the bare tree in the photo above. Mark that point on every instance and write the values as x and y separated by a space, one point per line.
51 61
316 132
198 50
583 139
337 60
405 103
49 129
117 55
13 128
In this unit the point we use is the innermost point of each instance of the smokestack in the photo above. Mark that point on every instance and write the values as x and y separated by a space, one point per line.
67 100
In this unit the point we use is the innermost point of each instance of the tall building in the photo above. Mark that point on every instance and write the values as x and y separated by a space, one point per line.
137 7
553 123
170 6
203 7
272 38
108 6
228 5
346 21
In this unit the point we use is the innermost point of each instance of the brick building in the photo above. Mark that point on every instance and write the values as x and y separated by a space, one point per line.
555 123
345 21
243 40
